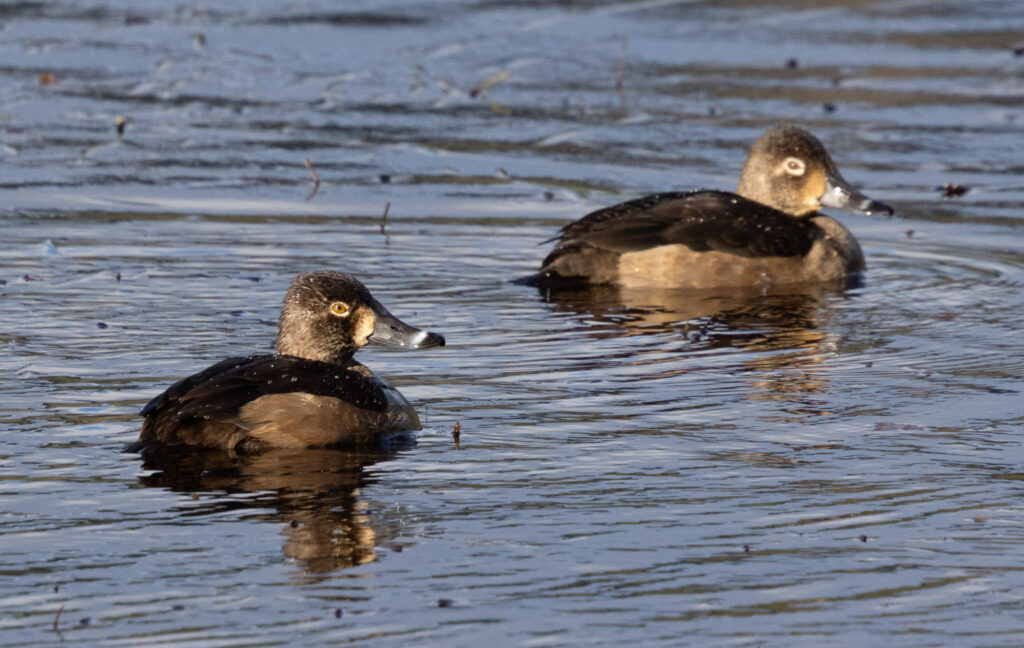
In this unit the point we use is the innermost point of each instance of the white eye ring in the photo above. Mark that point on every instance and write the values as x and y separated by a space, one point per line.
794 166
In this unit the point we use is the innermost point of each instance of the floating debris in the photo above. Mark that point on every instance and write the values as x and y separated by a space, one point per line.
828 107
497 78
385 178
456 434
950 190
120 123
47 79
792 63
316 179
620 70
384 218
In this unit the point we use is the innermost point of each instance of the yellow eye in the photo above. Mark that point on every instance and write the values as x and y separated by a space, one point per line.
795 166
339 308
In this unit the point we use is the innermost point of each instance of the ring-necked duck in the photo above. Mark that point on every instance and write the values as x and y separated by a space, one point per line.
768 232
311 393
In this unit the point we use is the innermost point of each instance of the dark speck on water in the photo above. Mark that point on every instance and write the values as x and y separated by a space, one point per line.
623 441
953 190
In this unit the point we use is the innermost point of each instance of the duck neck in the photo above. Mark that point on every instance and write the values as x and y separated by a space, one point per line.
754 185
295 339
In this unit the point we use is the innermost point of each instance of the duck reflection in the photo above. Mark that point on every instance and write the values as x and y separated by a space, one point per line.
313 492
778 330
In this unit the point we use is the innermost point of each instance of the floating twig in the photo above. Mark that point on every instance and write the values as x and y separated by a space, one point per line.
120 123
56 619
316 179
620 70
497 78
384 218
950 190
456 433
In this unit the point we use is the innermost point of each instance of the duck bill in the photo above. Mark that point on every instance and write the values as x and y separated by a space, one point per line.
388 330
839 194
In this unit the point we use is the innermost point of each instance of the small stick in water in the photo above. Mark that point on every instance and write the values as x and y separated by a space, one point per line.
316 179
497 78
56 619
950 190
384 218
620 70
456 433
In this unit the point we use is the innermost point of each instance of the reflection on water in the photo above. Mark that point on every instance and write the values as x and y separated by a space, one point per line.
780 330
313 493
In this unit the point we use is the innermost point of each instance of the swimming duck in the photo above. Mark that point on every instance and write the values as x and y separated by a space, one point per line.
311 393
769 232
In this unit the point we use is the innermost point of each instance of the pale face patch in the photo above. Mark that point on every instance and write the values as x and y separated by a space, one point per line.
813 189
363 322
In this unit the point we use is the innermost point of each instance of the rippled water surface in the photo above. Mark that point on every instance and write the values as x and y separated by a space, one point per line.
802 468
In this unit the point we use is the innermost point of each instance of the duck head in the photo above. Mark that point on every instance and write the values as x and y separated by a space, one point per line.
790 170
328 316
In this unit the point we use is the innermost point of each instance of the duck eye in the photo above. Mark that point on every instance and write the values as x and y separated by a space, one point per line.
339 308
794 166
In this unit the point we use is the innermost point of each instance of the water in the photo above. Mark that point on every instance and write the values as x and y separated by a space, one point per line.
789 469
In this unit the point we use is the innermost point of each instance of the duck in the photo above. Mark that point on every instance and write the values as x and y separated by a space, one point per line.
310 393
770 232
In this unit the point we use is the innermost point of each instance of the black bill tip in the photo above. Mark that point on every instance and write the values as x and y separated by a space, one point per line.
426 340
873 207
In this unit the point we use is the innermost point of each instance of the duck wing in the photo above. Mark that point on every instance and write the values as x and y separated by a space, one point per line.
700 220
219 392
